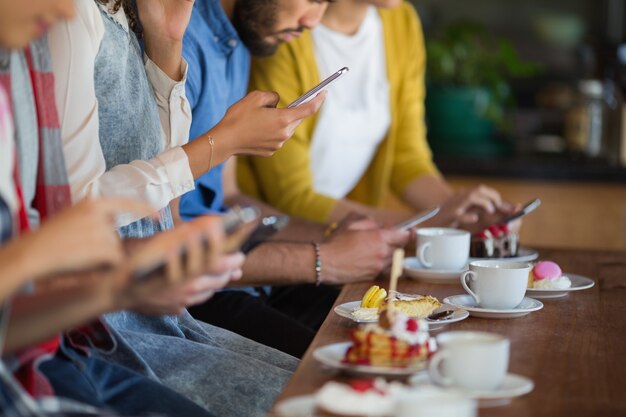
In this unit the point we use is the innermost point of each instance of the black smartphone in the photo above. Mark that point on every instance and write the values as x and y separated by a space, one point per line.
528 208
231 222
268 226
310 95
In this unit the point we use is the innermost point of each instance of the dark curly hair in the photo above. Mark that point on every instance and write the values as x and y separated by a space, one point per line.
130 9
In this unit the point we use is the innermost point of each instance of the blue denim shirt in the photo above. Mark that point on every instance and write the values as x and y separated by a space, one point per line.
219 66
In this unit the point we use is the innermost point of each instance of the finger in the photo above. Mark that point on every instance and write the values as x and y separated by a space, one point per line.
174 268
491 194
233 242
268 98
195 255
397 238
482 202
212 230
308 109
365 224
229 262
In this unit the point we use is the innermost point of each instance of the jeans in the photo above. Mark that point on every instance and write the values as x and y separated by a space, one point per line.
223 372
104 385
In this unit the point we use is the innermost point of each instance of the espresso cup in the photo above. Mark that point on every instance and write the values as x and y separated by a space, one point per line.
497 285
476 361
434 402
443 248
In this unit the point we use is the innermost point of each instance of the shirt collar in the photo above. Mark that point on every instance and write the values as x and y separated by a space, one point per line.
224 33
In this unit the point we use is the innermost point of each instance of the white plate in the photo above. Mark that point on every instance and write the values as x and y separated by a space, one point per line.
346 309
513 386
523 255
578 283
300 406
466 302
332 356
414 269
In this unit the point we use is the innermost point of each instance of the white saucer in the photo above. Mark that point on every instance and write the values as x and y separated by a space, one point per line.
523 255
345 310
578 283
466 302
513 386
332 356
413 268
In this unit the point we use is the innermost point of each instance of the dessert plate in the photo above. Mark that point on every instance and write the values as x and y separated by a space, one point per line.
578 283
346 309
413 268
523 255
513 386
465 301
332 356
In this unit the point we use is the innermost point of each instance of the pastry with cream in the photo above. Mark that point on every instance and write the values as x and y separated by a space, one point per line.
363 397
374 302
547 275
395 341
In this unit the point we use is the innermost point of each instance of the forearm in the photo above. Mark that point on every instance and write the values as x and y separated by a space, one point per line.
426 191
277 263
166 54
15 269
38 317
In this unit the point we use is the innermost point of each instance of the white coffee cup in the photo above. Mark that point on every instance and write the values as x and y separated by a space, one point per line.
434 402
476 361
497 285
443 248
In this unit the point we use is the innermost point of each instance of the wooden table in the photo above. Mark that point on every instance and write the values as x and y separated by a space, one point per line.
574 349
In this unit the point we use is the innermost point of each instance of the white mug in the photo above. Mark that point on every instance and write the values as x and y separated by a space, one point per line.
476 361
434 402
498 285
443 248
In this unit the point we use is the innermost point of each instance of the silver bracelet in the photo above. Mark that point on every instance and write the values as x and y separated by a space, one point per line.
318 263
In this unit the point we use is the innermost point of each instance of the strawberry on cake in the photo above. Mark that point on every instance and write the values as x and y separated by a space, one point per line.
359 398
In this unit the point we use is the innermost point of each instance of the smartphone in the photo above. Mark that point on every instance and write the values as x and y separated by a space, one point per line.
310 95
420 218
231 222
528 208
268 226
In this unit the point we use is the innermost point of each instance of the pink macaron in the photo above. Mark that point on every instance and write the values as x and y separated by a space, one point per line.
546 270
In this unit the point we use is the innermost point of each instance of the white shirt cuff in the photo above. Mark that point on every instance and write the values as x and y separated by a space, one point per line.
178 170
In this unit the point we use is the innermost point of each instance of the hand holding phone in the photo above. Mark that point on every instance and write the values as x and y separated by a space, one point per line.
232 221
309 95
527 209
268 226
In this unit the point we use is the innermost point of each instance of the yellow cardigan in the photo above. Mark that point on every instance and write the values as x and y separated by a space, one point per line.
285 179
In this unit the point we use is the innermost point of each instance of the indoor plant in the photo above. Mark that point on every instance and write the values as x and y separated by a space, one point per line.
468 75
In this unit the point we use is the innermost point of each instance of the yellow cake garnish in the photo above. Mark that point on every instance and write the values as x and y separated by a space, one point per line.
374 297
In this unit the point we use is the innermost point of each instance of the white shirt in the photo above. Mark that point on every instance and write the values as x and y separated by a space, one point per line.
356 115
74 46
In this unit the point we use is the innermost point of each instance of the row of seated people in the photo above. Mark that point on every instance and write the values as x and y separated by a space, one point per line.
120 124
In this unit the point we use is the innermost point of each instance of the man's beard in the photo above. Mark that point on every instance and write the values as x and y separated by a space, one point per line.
253 20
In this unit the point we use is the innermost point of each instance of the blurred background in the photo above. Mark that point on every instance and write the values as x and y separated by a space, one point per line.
531 97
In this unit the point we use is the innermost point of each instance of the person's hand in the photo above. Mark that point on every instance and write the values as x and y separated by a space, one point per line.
165 20
254 126
186 280
79 238
473 209
358 255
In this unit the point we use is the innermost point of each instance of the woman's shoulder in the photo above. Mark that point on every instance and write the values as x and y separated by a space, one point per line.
403 17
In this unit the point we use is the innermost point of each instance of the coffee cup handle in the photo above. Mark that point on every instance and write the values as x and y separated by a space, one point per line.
471 275
435 373
421 255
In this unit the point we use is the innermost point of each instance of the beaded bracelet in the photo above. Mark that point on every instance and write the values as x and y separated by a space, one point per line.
318 263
